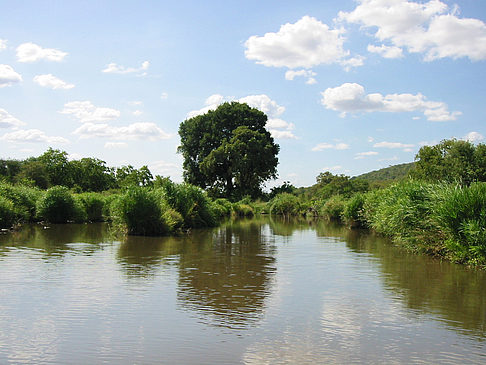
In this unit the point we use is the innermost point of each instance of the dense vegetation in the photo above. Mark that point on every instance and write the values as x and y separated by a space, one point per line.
390 173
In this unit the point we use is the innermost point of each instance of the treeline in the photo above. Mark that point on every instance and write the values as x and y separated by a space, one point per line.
439 208
53 168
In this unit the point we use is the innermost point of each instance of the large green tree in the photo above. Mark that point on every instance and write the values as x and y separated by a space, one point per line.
451 160
228 151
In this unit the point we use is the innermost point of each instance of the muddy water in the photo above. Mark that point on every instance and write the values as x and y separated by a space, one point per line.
262 291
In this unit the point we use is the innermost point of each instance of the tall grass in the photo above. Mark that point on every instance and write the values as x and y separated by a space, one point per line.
94 206
333 208
7 213
352 213
286 204
59 206
24 199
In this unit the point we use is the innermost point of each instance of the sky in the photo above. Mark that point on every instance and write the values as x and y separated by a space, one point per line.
348 86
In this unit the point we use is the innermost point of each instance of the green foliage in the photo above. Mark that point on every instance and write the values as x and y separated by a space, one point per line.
461 213
451 161
7 213
222 207
94 206
24 199
59 206
353 211
92 174
286 187
140 210
129 176
243 210
228 151
333 208
57 166
286 204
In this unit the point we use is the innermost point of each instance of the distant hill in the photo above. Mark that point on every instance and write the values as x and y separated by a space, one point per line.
394 172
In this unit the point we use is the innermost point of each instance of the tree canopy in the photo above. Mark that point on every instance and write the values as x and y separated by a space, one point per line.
228 151
452 161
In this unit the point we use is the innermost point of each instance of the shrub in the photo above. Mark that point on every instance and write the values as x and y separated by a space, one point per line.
222 207
140 210
461 213
286 204
243 210
93 204
333 208
7 213
353 209
24 199
59 206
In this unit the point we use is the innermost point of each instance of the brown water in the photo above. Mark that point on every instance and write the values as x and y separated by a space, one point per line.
250 292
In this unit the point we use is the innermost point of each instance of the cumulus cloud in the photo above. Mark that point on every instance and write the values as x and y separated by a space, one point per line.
362 155
393 145
308 74
279 128
86 112
3 44
165 168
30 52
327 146
304 44
8 121
135 131
52 82
32 136
430 28
351 98
8 76
386 51
113 68
473 137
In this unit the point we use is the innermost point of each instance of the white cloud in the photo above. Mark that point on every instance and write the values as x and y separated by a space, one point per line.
52 82
393 145
332 168
3 44
8 121
306 43
309 74
370 139
136 102
164 168
135 131
137 113
115 145
164 96
86 112
8 76
430 28
325 146
386 51
351 98
30 52
473 137
113 68
279 128
362 155
32 136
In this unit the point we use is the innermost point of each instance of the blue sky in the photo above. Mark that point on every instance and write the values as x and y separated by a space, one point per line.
348 86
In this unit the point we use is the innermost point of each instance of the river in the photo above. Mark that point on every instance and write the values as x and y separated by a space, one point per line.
261 291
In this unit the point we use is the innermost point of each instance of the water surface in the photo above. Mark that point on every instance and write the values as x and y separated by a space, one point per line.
262 291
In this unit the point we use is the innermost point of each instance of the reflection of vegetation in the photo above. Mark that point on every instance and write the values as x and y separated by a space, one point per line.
143 256
428 285
225 274
55 239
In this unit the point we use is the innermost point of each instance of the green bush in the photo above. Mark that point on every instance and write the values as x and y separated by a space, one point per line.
7 213
94 206
242 210
140 210
24 199
222 207
333 208
59 206
286 204
353 211
461 213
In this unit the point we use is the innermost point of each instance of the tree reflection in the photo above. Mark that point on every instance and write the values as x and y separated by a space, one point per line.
225 274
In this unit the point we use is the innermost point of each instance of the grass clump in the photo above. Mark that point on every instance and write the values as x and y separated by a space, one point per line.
24 199
461 214
140 210
94 206
286 204
59 206
333 208
352 213
7 213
